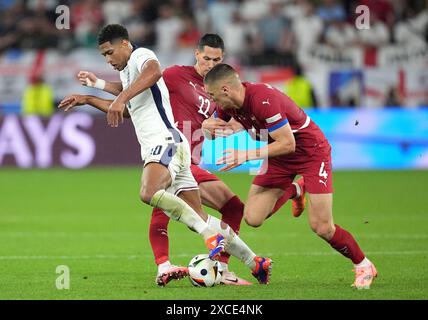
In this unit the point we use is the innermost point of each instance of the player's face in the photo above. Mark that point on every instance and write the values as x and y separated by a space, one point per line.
221 95
207 59
116 54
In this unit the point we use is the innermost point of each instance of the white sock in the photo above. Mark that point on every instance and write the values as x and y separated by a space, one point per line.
234 244
163 267
365 263
177 209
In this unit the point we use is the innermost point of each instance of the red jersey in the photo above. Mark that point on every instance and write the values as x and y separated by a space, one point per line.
191 105
267 108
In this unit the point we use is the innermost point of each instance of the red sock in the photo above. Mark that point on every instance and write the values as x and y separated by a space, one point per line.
345 243
158 235
289 193
232 213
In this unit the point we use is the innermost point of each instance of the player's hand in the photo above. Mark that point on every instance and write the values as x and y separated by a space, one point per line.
115 113
217 127
87 78
71 101
232 158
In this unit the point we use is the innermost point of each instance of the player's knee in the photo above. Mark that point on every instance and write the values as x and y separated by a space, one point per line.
323 230
253 221
146 195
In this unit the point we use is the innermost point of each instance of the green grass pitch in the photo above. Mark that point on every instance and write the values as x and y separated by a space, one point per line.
93 222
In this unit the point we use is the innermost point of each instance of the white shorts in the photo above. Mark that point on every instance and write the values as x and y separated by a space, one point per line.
176 158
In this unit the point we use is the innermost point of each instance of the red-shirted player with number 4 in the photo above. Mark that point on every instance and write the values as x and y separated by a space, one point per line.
296 145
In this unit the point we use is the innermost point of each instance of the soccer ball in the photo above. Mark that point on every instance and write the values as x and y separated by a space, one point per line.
204 272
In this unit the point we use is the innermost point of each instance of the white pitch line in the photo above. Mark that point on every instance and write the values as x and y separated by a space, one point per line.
131 257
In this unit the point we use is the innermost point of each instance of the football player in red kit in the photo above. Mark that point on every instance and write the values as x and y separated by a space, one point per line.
296 145
191 106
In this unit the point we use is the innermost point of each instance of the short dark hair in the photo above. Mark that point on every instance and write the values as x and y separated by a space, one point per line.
220 71
211 40
112 32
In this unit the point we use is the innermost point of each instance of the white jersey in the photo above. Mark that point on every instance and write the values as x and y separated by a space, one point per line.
150 110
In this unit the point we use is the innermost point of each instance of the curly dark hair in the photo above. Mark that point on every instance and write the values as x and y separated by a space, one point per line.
112 32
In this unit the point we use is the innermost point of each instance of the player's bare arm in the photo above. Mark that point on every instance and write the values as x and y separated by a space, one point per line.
150 74
284 144
89 79
75 100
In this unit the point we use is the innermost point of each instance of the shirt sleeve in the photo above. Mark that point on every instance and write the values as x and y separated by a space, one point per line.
169 75
141 56
270 111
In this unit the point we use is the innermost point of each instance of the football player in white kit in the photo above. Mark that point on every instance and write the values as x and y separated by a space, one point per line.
167 182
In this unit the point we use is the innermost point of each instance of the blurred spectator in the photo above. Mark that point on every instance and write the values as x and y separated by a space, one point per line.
167 28
331 10
340 34
274 42
189 36
308 28
253 10
236 36
180 7
300 90
86 19
38 97
140 23
35 31
272 26
8 32
413 29
116 11
221 12
202 17
294 9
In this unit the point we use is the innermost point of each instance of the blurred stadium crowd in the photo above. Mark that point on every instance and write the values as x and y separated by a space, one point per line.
313 50
256 32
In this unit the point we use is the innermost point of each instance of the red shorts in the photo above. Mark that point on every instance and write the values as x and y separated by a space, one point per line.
315 168
202 175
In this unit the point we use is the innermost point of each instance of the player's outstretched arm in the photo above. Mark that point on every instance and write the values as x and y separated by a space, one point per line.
284 144
149 75
89 79
75 100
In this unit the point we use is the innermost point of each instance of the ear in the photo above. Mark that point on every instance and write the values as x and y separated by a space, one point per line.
225 89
